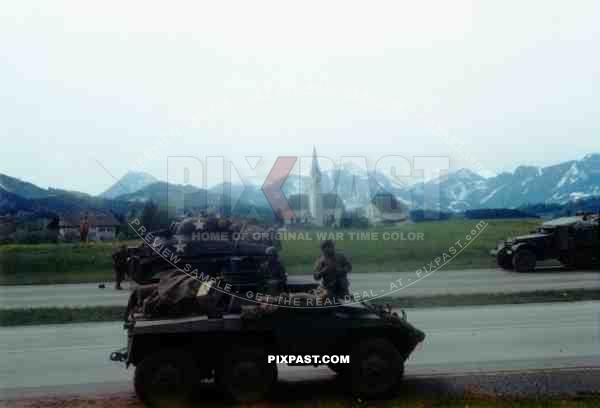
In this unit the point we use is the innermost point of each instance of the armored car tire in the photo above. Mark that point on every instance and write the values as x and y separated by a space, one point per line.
246 375
504 260
524 260
165 378
376 368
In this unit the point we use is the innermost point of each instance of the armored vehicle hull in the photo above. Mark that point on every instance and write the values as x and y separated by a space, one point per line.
247 265
573 241
172 356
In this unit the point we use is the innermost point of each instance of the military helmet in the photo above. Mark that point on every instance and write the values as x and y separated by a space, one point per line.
327 244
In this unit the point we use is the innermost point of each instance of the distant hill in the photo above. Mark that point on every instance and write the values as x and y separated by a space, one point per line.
22 188
196 199
129 184
11 203
158 192
559 189
25 199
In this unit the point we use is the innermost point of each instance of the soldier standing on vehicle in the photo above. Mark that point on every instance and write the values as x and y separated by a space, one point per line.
332 269
120 266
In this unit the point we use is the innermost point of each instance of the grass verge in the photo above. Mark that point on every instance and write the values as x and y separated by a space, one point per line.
60 315
370 250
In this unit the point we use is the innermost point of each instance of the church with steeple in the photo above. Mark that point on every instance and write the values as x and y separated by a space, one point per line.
315 207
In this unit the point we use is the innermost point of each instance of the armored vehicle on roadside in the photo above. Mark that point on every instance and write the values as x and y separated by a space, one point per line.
213 247
574 241
236 349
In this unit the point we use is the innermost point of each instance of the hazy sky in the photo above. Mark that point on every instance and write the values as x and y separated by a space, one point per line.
80 83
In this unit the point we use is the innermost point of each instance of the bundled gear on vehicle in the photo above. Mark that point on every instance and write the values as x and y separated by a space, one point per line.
176 294
212 245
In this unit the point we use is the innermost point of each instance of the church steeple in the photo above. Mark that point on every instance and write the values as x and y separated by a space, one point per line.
315 194
315 171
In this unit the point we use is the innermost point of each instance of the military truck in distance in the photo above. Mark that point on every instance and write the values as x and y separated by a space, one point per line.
172 356
574 241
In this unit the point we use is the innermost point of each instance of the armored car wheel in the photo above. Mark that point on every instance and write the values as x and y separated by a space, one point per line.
376 368
246 375
524 260
504 260
164 378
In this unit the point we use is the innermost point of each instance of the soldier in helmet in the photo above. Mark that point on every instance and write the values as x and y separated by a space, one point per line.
120 265
332 270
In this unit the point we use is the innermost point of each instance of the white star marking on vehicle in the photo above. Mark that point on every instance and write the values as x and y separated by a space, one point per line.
180 246
199 225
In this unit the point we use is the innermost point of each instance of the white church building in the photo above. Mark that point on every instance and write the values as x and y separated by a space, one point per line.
316 207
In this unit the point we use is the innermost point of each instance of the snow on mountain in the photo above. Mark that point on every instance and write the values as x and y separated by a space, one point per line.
464 189
455 191
490 195
573 175
526 185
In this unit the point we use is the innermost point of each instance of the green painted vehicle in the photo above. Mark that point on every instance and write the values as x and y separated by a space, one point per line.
573 241
172 356
213 250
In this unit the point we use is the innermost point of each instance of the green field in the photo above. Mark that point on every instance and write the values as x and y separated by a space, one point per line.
55 263
406 255
71 263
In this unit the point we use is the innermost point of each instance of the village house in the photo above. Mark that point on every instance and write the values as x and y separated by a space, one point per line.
8 227
385 209
102 226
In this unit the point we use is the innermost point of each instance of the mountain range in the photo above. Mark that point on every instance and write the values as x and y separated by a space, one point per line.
21 198
465 189
455 192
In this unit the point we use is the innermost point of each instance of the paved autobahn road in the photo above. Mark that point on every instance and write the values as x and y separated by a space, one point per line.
440 282
491 339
